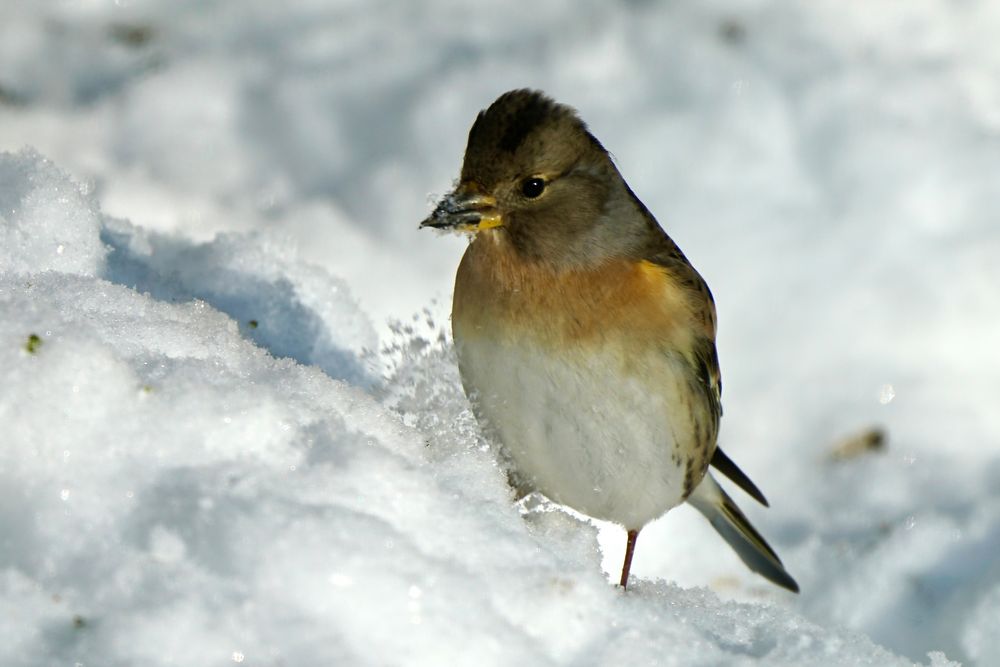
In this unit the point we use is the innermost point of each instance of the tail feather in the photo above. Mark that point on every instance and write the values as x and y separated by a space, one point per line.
727 519
725 465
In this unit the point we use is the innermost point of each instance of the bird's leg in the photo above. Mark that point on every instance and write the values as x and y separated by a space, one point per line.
629 549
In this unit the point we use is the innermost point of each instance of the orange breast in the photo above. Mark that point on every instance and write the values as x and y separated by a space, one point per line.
501 296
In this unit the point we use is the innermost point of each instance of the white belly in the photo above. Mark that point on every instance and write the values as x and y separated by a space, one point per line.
610 442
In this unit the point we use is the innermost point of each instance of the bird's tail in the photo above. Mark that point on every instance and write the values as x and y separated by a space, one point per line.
711 500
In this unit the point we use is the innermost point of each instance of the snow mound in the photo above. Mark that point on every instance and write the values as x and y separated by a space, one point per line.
290 308
170 493
46 222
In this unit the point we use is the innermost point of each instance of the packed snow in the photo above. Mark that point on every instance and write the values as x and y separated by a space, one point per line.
233 430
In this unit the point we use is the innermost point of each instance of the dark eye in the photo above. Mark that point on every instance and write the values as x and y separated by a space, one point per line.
532 187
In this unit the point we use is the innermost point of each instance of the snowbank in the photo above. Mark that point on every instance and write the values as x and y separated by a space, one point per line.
829 167
49 224
174 494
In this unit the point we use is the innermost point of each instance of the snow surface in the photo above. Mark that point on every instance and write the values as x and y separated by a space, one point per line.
220 452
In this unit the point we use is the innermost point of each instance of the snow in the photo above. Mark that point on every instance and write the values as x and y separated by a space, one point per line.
220 450
48 223
174 494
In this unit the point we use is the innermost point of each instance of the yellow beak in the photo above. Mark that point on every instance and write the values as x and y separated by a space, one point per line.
465 210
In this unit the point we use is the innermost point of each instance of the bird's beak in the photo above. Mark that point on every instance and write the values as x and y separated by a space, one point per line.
465 210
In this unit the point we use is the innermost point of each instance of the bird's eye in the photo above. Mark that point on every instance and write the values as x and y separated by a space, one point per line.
532 187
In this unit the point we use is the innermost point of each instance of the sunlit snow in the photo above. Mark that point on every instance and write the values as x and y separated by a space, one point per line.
231 430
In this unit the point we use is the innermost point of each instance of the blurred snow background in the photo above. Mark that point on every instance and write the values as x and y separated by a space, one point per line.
219 451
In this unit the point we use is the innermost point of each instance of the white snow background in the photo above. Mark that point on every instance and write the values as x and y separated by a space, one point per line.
219 452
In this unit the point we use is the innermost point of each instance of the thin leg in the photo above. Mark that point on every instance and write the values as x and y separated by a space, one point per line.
629 550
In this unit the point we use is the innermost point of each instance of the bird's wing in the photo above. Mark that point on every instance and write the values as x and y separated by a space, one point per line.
704 354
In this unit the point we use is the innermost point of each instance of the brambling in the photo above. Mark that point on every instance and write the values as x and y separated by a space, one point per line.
585 339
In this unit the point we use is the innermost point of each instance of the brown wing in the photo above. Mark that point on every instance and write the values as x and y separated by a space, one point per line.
704 355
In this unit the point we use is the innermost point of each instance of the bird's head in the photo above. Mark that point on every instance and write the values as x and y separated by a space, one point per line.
534 176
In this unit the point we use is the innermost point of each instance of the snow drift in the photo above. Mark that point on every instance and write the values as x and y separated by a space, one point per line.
175 494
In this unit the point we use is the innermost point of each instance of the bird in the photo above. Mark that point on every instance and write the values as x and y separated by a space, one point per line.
585 339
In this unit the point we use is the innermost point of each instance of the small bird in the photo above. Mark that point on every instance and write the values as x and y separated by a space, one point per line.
585 339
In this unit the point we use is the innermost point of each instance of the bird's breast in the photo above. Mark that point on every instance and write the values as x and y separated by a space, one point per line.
504 297
583 377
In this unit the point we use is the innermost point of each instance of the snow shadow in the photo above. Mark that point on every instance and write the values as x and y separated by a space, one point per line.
289 310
